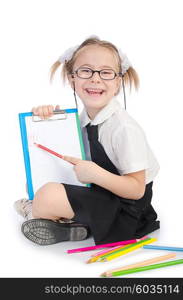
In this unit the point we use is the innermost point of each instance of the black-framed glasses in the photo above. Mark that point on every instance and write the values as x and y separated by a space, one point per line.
86 73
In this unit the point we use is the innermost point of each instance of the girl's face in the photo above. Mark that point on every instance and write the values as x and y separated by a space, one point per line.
95 92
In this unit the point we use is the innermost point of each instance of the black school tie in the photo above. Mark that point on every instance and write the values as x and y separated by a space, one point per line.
97 151
99 156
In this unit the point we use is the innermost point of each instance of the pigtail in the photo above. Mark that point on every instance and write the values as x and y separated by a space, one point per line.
66 69
53 69
131 79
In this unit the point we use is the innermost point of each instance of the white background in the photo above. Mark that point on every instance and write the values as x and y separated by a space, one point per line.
33 35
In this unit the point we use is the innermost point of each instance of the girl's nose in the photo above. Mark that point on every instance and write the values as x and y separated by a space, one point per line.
96 77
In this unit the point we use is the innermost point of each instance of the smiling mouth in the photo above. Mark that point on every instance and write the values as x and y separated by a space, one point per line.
96 92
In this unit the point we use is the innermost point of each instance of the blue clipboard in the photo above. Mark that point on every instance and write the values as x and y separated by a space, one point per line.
62 134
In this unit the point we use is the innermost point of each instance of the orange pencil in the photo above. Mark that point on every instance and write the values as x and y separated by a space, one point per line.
139 264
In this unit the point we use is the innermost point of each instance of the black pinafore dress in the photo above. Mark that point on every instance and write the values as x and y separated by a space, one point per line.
111 218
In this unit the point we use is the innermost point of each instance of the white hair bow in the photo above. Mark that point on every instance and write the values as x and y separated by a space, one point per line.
125 63
67 55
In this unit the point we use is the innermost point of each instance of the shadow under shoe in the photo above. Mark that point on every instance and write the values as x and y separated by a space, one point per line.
48 232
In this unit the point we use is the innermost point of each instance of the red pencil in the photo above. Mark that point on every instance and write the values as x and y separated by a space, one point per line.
50 151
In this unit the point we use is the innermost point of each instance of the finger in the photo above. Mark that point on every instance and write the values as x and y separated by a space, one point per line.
45 111
57 107
50 110
40 112
34 110
72 160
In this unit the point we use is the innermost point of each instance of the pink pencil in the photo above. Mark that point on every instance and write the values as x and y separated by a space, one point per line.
114 248
101 246
106 250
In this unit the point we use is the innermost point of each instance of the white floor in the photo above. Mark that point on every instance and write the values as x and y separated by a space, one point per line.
21 258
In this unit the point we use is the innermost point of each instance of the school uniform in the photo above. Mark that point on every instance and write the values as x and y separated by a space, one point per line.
116 142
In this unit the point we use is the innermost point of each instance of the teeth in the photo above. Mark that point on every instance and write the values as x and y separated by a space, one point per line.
94 91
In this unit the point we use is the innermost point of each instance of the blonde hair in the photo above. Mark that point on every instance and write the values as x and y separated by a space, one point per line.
130 77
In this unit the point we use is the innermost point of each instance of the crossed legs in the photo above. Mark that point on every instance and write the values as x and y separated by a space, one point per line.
51 202
45 214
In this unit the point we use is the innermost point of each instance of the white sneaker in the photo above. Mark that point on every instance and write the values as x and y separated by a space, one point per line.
24 208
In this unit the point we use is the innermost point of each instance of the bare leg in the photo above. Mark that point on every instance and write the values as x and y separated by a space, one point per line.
51 202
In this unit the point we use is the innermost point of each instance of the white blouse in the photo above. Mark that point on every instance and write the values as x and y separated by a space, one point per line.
122 139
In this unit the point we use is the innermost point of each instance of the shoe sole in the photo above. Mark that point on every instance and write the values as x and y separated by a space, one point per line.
47 232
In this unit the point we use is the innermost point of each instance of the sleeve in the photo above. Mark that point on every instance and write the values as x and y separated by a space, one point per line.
131 149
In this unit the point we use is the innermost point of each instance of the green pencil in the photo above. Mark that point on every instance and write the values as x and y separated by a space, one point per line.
150 267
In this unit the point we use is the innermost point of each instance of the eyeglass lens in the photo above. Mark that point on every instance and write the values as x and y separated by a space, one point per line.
87 73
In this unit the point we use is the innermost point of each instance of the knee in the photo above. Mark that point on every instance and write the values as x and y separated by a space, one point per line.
43 199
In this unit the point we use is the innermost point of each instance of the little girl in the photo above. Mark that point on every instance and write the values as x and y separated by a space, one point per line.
120 164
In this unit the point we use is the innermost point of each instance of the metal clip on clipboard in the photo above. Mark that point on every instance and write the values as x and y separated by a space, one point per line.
59 114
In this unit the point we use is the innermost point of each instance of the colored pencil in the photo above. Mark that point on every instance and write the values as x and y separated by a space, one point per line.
101 246
107 250
115 251
114 248
139 264
96 257
157 247
125 248
49 150
125 251
150 267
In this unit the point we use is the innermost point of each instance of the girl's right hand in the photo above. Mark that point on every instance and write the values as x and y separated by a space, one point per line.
44 111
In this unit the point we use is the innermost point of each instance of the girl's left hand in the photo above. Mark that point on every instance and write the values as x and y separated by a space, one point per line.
85 170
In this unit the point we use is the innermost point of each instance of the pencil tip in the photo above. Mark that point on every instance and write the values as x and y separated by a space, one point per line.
88 262
143 238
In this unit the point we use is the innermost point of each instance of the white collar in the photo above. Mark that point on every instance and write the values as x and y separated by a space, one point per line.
102 115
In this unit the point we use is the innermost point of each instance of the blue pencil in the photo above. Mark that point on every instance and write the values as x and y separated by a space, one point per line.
156 247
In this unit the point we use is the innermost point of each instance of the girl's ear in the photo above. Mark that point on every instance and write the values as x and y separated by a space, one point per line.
71 80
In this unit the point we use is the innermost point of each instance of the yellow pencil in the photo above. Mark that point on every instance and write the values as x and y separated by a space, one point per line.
101 255
123 252
140 264
126 247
